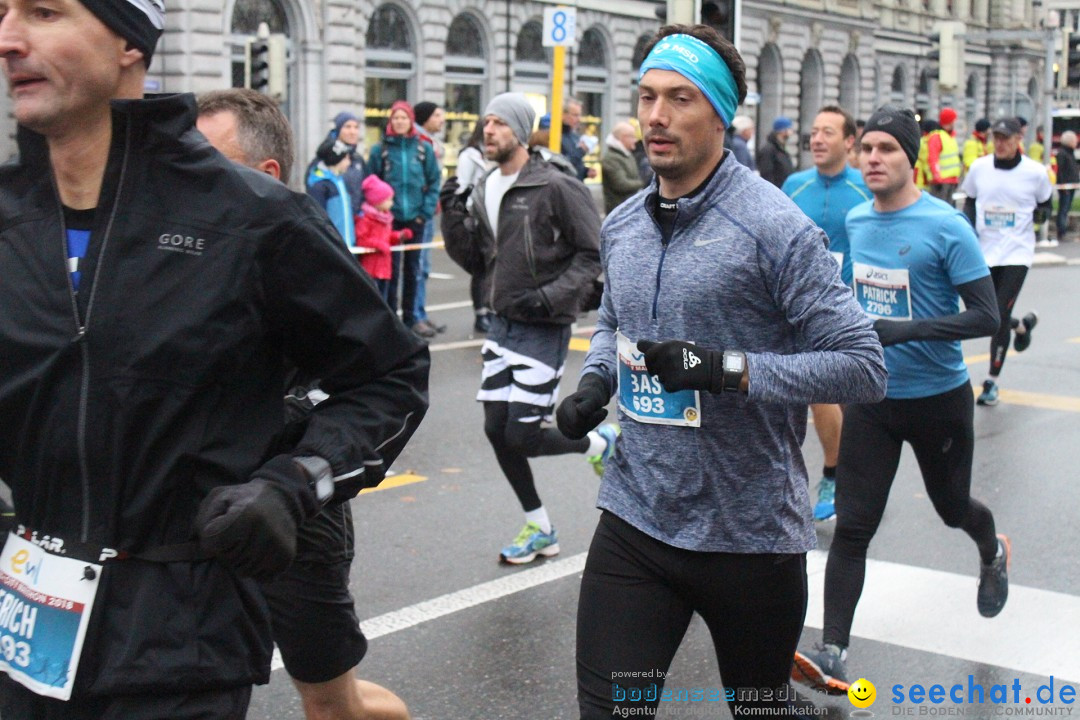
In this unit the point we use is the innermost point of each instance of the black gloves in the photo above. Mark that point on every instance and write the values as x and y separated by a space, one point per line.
251 527
682 366
581 412
529 305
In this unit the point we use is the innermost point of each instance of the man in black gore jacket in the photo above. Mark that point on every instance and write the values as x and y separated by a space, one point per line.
153 292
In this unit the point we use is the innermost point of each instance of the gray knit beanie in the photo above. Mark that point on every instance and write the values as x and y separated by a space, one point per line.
901 124
514 110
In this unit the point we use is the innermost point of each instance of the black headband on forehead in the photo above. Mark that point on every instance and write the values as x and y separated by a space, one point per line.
131 20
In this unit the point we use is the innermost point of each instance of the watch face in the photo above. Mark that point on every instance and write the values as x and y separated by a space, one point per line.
733 363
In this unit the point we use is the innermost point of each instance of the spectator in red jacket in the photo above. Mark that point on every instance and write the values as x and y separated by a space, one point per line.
374 230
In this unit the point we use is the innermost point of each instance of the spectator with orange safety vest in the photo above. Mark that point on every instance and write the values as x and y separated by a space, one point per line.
943 157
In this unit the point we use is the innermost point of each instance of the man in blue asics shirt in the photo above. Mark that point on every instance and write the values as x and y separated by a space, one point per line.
826 192
913 258
723 316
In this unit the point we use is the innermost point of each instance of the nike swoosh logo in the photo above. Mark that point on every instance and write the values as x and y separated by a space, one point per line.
703 243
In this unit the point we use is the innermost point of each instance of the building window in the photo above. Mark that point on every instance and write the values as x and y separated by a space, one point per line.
590 84
635 63
899 86
466 81
849 85
532 61
390 67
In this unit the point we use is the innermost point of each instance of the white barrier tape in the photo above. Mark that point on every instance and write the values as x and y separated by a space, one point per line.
1068 186
398 248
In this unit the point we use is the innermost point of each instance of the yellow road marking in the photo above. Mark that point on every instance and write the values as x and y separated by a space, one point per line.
579 343
973 359
395 481
1073 340
1036 400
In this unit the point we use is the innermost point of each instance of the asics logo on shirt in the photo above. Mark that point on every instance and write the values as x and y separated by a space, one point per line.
690 360
702 242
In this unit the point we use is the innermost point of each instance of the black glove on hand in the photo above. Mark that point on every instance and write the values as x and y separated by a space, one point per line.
529 305
449 196
682 366
252 527
892 332
581 412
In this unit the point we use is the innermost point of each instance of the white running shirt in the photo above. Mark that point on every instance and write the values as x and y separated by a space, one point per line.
1004 203
494 188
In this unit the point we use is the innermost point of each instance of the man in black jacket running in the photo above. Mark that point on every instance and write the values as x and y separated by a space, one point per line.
154 292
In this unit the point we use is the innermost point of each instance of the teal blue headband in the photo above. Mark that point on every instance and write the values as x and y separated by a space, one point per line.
699 64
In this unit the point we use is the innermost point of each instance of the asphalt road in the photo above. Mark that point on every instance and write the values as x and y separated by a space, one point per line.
460 637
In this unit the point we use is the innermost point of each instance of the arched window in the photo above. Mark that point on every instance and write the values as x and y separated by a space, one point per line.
635 63
390 66
590 84
811 98
770 82
849 85
922 94
466 83
899 86
532 61
971 100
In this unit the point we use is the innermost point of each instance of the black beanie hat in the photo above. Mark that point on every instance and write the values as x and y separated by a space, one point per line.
332 151
423 111
140 22
901 124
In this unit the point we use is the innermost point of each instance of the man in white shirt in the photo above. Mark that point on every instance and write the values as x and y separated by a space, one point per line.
1005 192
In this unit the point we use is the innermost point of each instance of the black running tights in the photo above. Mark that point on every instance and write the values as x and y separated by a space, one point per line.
1008 279
515 441
637 597
939 429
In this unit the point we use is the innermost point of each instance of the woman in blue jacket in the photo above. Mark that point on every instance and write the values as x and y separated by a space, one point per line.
409 166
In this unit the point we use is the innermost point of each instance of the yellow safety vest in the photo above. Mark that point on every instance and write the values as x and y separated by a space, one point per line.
974 148
949 160
922 165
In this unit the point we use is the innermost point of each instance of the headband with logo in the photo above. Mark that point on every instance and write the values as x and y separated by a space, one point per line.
701 65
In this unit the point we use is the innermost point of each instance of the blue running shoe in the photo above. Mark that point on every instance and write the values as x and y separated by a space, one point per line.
610 433
529 543
989 395
826 504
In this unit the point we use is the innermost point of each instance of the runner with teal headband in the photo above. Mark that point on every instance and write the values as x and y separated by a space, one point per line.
699 64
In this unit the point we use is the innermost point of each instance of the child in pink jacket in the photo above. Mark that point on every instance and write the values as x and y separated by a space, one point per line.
373 230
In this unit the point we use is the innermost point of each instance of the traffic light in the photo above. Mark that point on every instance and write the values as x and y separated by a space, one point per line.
720 15
1073 58
257 64
948 51
264 64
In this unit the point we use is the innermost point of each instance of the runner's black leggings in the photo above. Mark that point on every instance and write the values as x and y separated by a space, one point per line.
515 442
637 597
939 429
1008 279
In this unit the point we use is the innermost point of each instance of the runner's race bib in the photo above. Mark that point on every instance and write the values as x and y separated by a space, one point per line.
996 216
883 293
45 601
642 397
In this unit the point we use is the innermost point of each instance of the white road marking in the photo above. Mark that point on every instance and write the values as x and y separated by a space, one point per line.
912 607
934 611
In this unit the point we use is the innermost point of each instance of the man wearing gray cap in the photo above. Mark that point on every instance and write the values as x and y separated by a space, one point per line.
1006 191
153 293
536 234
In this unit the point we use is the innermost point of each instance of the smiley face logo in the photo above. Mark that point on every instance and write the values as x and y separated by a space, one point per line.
862 693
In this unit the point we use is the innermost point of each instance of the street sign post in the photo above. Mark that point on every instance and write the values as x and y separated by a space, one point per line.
559 31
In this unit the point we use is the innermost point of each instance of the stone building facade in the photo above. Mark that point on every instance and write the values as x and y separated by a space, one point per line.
360 55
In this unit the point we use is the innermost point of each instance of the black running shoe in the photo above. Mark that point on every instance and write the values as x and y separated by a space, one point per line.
1022 341
994 580
822 669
